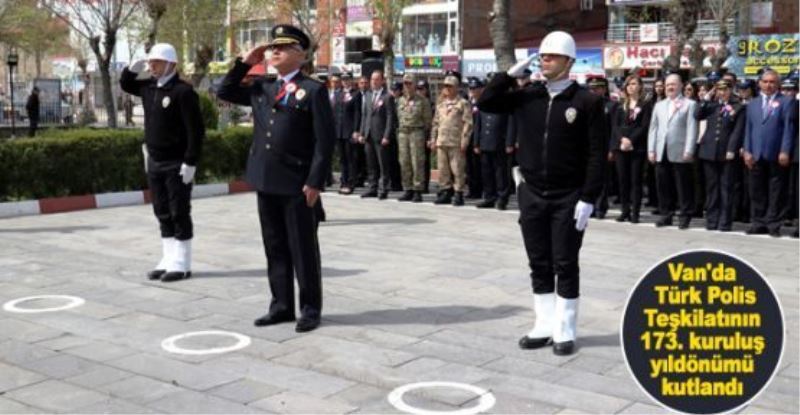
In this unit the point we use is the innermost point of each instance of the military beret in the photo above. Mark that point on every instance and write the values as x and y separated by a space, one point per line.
289 35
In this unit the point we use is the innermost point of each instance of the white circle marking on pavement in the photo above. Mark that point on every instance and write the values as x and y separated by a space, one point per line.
170 346
486 401
12 307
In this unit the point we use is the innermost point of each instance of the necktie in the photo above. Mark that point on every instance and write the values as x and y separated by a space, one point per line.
282 93
765 110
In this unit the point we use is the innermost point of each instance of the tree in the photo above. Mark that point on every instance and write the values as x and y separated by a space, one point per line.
50 33
389 13
306 19
684 15
155 10
97 21
195 28
724 10
500 32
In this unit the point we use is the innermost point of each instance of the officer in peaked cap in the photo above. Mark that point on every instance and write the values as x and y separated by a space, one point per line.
293 141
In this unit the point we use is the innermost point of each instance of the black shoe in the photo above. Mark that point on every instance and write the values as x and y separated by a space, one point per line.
757 230
667 221
623 217
724 229
383 196
502 204
775 233
445 197
600 214
407 196
529 343
472 195
564 348
270 319
486 204
306 324
156 274
417 197
795 234
635 217
459 199
175 276
684 223
371 193
655 212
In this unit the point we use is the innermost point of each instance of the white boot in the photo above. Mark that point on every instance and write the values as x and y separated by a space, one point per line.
566 320
544 306
181 264
167 254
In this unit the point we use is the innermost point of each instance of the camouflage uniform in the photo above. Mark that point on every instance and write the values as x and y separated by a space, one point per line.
414 116
452 128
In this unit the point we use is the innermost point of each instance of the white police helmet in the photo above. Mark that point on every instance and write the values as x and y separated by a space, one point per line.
163 52
558 43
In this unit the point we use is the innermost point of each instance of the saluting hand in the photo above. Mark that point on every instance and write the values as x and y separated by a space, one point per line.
255 56
312 195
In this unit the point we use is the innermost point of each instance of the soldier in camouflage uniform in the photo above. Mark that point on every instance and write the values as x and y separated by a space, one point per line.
414 116
450 135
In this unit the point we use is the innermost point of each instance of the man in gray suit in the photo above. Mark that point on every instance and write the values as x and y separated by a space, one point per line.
671 144
377 121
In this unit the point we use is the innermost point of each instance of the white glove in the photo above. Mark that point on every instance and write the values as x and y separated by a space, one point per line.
582 212
187 172
517 70
138 66
518 179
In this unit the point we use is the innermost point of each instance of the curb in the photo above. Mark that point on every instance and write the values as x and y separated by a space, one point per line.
73 203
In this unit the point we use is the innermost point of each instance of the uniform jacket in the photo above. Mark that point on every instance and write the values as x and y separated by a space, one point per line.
676 132
724 129
452 123
173 125
292 141
414 112
562 141
491 131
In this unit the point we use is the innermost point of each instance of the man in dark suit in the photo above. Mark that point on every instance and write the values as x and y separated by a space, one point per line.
377 124
767 149
489 136
293 140
347 124
718 150
32 107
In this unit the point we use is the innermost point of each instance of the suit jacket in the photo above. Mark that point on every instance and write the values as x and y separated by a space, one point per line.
633 125
352 112
724 131
676 132
377 121
293 140
766 137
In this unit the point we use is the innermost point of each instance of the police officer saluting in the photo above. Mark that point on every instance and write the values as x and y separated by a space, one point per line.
718 150
562 149
293 142
174 132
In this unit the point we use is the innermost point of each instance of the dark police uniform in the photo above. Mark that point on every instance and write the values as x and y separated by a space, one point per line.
173 132
724 134
293 140
489 135
562 149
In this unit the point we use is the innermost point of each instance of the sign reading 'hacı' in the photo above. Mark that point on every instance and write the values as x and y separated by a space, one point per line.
629 56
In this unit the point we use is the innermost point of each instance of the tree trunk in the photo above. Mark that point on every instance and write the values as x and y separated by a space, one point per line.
38 57
388 55
500 32
204 55
104 65
722 53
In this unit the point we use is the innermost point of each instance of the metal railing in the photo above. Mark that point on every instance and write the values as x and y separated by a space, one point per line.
708 30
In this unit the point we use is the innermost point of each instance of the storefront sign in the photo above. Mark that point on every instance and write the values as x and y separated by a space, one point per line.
629 56
431 64
751 53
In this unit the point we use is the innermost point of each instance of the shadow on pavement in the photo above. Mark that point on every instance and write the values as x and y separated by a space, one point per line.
52 229
438 315
377 221
598 340
262 272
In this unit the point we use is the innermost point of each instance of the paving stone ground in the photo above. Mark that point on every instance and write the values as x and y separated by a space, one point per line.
413 293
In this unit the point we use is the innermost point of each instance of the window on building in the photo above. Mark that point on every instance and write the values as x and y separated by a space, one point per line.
252 33
587 4
429 34
353 47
